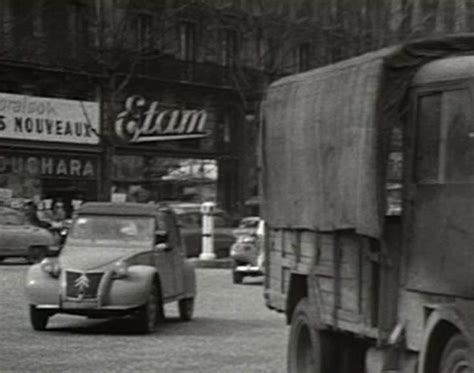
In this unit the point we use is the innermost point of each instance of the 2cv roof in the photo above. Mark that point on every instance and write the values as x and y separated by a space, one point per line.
122 208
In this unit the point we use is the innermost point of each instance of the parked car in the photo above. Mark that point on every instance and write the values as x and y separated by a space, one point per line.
19 238
247 250
190 221
118 259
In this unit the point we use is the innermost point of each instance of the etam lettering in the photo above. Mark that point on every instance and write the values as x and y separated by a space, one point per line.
137 123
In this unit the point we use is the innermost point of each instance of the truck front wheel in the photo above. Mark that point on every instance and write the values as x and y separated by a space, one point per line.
455 358
309 349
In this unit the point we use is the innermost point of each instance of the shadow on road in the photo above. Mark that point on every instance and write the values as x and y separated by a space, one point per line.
200 326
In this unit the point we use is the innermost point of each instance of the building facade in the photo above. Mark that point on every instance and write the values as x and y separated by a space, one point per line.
159 100
131 100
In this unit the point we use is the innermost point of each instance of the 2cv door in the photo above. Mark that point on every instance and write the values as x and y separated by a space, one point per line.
168 255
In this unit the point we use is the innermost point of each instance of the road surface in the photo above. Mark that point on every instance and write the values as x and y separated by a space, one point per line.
232 332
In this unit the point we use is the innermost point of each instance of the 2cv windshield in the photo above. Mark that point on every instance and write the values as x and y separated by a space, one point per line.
112 228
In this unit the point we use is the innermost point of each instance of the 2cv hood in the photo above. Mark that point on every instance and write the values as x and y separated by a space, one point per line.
98 256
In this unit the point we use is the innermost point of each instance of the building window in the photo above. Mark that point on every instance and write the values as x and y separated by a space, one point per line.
303 52
24 18
142 28
80 24
268 50
229 47
187 41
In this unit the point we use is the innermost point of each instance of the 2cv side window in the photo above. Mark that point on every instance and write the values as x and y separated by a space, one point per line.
445 138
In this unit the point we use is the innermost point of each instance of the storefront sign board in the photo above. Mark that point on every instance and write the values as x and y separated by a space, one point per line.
48 119
143 123
63 166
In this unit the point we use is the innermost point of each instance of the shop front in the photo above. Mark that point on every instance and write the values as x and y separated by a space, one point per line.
171 152
48 149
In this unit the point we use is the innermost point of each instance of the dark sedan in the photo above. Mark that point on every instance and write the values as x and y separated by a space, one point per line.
190 222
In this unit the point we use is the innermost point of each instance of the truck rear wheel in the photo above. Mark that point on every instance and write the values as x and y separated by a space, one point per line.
455 358
309 350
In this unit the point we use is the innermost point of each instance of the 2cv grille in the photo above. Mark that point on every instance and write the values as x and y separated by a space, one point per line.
83 285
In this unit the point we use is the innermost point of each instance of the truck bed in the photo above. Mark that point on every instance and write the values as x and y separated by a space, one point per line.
342 272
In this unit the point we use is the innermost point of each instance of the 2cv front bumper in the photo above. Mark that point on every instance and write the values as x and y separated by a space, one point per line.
89 292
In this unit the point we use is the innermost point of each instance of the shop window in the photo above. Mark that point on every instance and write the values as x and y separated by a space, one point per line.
187 41
150 178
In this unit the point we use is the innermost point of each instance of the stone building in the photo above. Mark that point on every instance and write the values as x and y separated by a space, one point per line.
115 96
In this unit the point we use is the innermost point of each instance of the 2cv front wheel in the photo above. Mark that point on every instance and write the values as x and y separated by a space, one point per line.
151 313
38 318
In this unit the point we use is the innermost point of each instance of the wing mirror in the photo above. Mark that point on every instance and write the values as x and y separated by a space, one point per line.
161 241
161 236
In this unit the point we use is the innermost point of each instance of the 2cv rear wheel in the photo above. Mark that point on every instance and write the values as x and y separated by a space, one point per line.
186 309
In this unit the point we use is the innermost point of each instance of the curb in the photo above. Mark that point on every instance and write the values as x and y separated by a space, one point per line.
212 263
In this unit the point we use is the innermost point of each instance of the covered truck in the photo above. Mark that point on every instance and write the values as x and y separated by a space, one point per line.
367 178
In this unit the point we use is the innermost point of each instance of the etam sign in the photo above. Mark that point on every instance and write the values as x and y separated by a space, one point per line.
139 123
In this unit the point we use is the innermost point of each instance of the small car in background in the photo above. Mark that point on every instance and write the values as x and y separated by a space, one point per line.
247 250
118 259
19 238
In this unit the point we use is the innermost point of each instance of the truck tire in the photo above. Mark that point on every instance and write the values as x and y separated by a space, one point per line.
309 350
151 312
455 357
186 309
38 318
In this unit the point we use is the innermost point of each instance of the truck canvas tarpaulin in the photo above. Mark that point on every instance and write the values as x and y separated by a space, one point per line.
326 133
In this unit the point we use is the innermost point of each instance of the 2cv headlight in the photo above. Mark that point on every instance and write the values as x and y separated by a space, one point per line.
51 266
120 269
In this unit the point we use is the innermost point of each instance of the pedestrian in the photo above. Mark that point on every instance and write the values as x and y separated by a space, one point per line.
31 213
58 213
